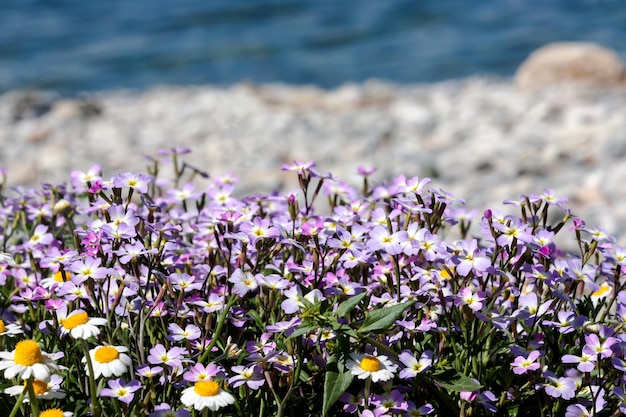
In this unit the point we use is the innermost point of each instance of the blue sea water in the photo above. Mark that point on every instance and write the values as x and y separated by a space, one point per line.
71 46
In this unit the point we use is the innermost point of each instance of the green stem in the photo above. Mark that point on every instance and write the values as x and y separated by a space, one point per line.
19 402
95 401
220 324
32 397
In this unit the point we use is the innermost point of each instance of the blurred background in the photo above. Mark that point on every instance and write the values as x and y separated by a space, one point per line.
70 46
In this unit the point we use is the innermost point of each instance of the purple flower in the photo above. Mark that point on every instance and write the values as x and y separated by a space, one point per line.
177 333
365 172
259 229
469 298
185 282
40 237
199 372
185 194
586 362
131 180
164 410
515 230
529 305
293 301
172 358
118 388
548 197
382 239
352 402
243 282
577 410
621 396
522 364
567 322
80 179
285 326
563 387
472 259
413 365
146 371
423 410
252 376
394 400
300 167
88 268
594 346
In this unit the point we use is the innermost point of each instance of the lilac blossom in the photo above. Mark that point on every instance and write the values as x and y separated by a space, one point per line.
164 410
577 410
513 231
567 322
559 387
199 372
523 364
120 390
413 365
472 259
586 361
594 346
381 239
470 298
177 333
252 376
172 358
243 282
136 181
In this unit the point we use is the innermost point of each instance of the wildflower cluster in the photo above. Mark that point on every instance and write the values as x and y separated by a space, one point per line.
141 295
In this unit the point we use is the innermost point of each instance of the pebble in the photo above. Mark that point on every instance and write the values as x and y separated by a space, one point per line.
483 139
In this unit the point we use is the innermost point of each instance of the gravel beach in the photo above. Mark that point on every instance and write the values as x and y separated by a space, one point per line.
479 138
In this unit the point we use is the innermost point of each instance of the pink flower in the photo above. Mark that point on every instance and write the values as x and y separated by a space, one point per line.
469 298
522 364
118 388
472 259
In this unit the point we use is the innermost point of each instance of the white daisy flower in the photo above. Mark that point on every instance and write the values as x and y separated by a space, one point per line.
58 278
108 360
27 360
206 394
6 258
80 326
43 390
55 412
378 368
11 329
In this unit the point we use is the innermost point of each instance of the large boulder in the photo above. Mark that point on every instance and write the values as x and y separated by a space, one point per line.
578 64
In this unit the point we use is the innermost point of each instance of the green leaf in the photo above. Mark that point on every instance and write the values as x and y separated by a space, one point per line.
453 380
257 318
382 319
347 306
337 381
344 329
303 329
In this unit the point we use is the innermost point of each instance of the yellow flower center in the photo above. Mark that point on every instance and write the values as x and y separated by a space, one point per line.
602 291
39 386
27 353
75 320
59 276
106 354
206 388
445 275
370 364
53 412
3 328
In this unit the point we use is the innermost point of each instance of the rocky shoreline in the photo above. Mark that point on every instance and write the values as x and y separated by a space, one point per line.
480 138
